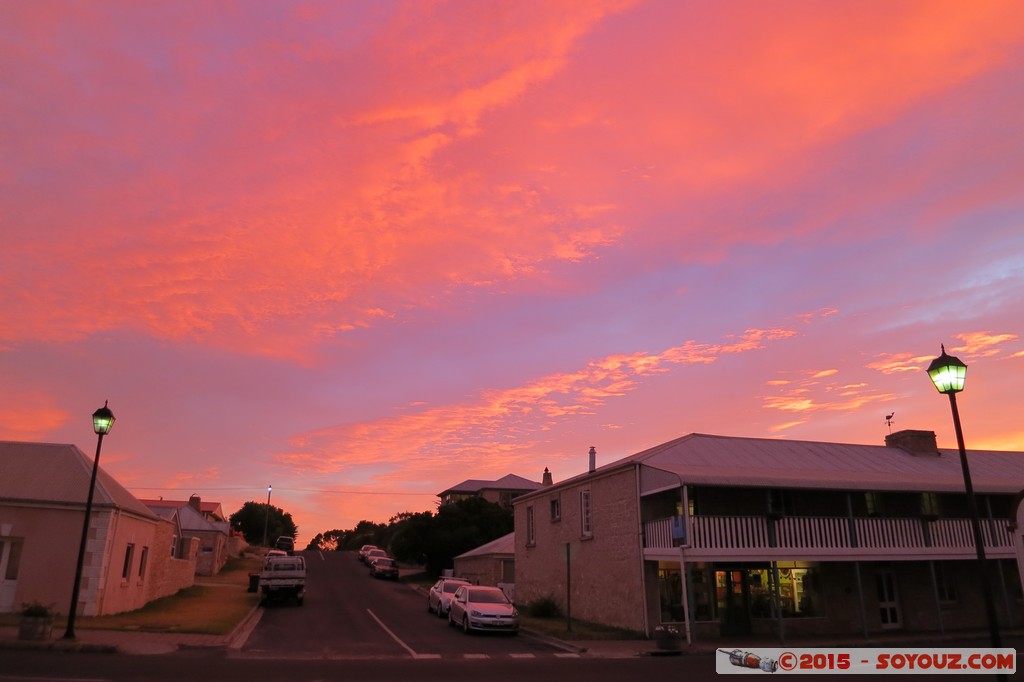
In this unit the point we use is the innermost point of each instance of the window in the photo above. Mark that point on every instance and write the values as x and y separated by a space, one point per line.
800 589
586 527
873 501
142 562
930 505
13 559
508 571
127 569
531 538
556 509
944 584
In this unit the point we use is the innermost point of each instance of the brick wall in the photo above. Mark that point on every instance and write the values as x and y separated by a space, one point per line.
605 576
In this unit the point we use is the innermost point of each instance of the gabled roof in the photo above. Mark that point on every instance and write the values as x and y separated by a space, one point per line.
506 482
58 475
210 508
188 517
776 463
503 545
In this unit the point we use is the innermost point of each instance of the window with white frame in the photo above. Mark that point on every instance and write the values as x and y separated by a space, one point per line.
142 562
128 553
556 508
586 526
531 537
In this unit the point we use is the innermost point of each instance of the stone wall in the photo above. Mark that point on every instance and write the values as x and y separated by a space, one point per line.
168 574
604 568
481 570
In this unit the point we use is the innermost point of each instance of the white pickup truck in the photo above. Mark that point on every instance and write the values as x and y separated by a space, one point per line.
283 577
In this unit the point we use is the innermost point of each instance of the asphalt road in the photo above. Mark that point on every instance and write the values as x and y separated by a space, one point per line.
349 615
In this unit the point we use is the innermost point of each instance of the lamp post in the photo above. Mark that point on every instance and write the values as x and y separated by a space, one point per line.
948 373
102 422
266 521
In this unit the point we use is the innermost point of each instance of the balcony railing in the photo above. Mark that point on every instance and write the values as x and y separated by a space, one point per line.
829 533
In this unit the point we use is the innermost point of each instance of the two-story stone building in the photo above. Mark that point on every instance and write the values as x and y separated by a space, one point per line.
726 535
501 491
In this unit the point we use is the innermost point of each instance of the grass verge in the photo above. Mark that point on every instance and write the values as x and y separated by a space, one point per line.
215 605
581 630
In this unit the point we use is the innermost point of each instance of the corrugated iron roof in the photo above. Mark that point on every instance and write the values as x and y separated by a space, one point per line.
765 462
188 517
704 459
52 473
503 545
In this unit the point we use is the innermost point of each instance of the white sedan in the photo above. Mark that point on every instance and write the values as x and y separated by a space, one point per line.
439 598
483 608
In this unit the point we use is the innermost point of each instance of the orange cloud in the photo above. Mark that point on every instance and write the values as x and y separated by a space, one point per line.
503 424
30 415
811 395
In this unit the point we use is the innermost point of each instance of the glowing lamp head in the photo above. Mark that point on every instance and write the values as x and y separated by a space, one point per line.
102 420
947 373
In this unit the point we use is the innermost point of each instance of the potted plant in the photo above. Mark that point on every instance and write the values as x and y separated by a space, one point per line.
36 621
666 638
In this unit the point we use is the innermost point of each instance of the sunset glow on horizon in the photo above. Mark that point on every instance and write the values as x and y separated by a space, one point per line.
366 251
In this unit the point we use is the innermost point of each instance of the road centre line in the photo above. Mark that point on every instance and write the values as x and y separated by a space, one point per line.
400 642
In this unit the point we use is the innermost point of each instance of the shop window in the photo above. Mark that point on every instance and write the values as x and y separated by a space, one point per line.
670 591
800 591
701 596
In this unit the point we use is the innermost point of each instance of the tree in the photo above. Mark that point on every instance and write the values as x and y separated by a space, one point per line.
256 520
434 540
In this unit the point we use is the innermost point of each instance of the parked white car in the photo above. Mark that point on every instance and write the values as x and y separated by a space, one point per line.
439 597
483 608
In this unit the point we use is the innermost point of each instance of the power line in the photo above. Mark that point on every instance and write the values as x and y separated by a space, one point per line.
294 490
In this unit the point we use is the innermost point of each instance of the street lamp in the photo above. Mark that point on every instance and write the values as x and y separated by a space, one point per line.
266 522
948 373
102 422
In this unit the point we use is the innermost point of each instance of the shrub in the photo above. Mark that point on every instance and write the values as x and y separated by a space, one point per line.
36 609
545 607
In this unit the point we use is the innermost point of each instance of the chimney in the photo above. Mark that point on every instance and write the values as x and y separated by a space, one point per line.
593 458
546 481
194 501
914 442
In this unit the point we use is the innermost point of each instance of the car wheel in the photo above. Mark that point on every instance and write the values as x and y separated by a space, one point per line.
441 612
430 609
451 623
465 624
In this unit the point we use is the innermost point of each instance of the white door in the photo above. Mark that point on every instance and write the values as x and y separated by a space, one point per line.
888 600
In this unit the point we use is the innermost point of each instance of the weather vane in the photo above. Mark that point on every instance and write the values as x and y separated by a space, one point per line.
888 420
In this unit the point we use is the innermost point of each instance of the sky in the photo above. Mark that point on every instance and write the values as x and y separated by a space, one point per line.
363 251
